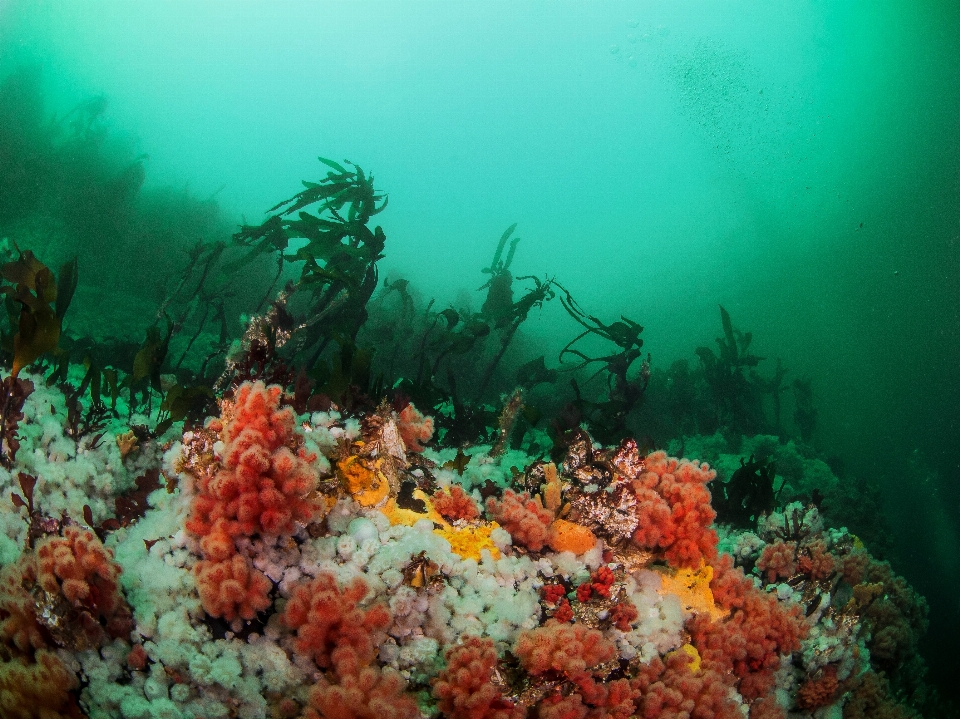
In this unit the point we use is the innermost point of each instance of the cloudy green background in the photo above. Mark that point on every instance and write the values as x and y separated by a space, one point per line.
796 161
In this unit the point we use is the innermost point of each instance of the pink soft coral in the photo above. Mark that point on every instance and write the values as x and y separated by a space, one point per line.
455 504
232 588
266 483
673 507
752 638
361 692
778 560
464 689
569 649
670 689
415 429
525 519
329 620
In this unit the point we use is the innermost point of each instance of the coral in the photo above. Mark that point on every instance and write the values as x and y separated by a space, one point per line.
673 506
815 561
39 689
600 582
569 649
870 699
18 621
767 708
361 692
752 638
671 689
622 615
266 485
78 566
818 691
415 429
464 689
778 560
567 536
329 619
564 612
455 504
232 588
525 519
266 481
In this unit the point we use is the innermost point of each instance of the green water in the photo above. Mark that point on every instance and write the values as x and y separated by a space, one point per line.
796 162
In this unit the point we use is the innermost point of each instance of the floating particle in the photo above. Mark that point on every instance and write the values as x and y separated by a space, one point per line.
632 23
614 49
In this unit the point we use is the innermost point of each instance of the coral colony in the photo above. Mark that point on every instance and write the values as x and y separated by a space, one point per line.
288 553
312 566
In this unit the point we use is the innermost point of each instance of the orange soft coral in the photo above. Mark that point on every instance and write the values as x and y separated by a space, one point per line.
674 512
671 689
751 639
525 519
79 568
415 429
38 689
362 693
465 690
232 588
815 561
820 690
778 560
265 486
455 504
569 649
19 628
266 483
329 619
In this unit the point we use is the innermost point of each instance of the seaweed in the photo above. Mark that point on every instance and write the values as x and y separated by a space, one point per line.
747 494
608 415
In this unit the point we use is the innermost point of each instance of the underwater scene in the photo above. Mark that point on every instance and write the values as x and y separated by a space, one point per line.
412 359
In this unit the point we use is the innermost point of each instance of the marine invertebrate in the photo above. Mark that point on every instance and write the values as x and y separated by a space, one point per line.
455 504
751 639
264 486
232 588
673 505
78 567
361 692
820 690
465 688
778 560
41 688
266 479
567 649
676 688
415 428
329 619
525 518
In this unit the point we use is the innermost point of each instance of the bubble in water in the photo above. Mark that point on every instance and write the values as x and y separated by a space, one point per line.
632 61
632 23
663 31
631 37
614 49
